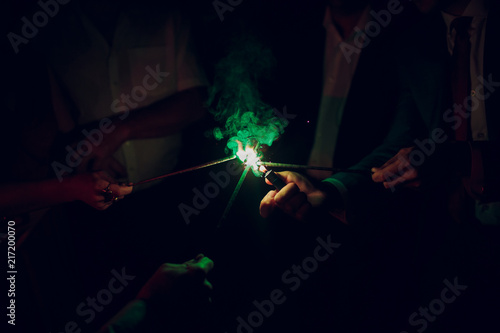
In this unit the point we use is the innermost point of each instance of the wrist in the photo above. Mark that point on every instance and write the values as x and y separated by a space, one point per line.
122 131
333 200
69 188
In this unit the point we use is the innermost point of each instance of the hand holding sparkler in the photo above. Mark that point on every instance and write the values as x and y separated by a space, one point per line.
296 198
97 189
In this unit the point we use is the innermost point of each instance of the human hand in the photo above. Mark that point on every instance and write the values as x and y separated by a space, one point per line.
91 187
187 277
397 171
296 198
101 157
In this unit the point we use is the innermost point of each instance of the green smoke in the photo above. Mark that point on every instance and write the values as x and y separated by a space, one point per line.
235 101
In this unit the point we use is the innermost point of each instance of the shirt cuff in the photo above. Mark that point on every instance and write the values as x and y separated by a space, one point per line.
340 188
336 198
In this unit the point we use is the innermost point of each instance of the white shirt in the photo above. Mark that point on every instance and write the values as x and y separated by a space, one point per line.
337 76
477 30
96 74
487 213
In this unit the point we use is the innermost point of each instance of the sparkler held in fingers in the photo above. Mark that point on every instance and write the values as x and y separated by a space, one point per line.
308 167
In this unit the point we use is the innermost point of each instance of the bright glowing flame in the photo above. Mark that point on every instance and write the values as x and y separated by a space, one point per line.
250 157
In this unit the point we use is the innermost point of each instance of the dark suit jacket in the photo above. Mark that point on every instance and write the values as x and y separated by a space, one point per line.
299 49
425 95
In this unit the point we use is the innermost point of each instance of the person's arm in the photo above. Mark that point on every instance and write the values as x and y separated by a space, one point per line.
476 162
19 198
170 285
357 185
344 191
165 117
168 116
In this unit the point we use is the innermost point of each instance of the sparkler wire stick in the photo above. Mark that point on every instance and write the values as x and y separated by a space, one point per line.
310 167
233 196
201 166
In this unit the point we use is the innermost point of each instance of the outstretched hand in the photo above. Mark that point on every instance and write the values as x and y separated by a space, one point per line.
182 278
397 171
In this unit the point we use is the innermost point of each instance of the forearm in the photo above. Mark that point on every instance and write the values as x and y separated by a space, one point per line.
166 117
19 198
344 185
130 319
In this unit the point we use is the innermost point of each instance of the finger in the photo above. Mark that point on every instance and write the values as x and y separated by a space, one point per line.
200 262
286 176
267 204
289 176
199 257
207 284
286 193
281 175
387 163
407 177
302 182
402 155
378 176
206 264
120 191
294 203
99 197
100 184
385 174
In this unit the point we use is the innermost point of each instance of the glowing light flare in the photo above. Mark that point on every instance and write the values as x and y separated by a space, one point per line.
250 157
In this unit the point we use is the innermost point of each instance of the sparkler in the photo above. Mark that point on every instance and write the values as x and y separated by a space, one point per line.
201 166
233 196
251 159
308 167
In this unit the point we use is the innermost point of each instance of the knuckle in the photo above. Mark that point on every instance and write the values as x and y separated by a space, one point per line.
413 173
280 200
164 267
